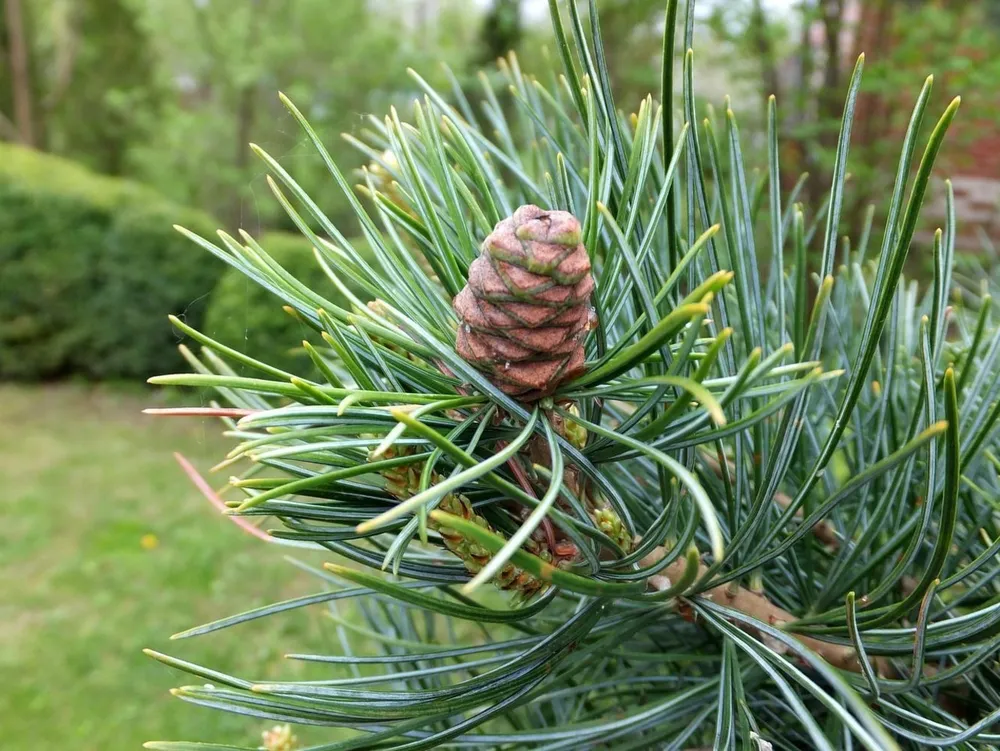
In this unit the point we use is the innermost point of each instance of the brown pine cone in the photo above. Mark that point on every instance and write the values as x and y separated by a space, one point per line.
526 308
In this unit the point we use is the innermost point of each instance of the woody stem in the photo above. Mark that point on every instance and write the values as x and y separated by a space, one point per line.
758 607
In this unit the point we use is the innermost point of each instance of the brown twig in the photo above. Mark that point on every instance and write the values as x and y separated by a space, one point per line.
522 479
758 607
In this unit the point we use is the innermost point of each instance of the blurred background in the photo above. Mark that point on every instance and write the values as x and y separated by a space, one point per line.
121 117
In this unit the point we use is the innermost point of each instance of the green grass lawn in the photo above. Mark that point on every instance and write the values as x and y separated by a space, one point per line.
85 479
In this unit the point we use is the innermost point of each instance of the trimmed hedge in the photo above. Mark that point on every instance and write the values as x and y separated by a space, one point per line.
90 267
246 317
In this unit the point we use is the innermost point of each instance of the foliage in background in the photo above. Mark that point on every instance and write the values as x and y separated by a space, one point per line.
91 266
246 316
799 471
978 275
173 91
804 58
103 95
633 33
501 31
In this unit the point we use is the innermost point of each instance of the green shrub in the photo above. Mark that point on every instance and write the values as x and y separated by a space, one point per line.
247 317
91 269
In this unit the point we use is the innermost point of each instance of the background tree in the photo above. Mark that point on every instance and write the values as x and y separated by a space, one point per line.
501 31
174 92
346 58
632 32
803 58
102 95
17 90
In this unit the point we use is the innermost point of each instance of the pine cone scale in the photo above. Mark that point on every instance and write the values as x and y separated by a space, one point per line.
508 348
515 315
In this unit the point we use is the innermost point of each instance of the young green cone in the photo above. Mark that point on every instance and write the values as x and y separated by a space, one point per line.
404 482
526 308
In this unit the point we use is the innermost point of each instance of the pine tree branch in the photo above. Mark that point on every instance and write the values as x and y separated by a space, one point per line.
823 529
757 606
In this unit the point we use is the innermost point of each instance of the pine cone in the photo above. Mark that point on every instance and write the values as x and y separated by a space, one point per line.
526 308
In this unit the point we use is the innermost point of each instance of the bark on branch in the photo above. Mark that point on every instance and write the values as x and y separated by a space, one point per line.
757 606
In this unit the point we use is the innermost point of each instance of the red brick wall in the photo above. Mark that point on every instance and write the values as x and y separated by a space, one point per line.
982 155
970 157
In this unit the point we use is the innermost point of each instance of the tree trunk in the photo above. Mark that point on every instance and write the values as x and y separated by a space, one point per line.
795 110
500 32
830 97
20 73
246 112
245 115
765 51
874 111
